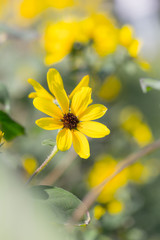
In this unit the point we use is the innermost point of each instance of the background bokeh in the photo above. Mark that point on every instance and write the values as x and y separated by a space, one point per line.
117 44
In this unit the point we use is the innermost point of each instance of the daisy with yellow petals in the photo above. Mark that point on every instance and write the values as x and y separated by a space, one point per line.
72 116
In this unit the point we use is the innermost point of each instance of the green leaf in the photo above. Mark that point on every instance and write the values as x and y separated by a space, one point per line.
148 84
49 142
10 128
60 203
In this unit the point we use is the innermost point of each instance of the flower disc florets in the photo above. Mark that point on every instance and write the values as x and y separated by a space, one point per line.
70 121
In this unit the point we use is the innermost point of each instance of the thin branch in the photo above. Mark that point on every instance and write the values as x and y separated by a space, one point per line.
57 172
43 165
90 198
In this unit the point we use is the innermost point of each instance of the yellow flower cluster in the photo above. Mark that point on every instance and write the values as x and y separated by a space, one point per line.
102 169
113 207
31 8
100 29
132 122
29 163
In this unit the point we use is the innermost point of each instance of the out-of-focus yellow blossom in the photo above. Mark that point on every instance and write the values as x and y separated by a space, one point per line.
31 8
130 118
105 40
126 35
85 29
132 121
101 170
60 37
1 136
126 39
134 48
143 64
30 164
139 173
143 134
105 35
99 28
115 207
99 211
105 167
110 88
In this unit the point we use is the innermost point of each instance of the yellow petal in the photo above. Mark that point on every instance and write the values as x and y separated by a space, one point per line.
134 48
94 111
48 107
80 144
93 129
125 35
40 91
80 100
33 95
83 83
64 139
49 123
56 87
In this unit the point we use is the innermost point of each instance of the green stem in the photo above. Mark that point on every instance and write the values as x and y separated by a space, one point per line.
44 164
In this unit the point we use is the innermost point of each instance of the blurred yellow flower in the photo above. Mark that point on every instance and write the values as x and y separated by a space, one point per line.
132 121
30 164
105 35
134 48
115 207
126 35
104 167
126 39
59 37
110 88
139 173
143 64
31 8
73 119
99 211
130 118
143 134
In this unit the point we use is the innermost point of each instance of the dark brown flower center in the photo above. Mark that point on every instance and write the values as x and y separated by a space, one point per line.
70 121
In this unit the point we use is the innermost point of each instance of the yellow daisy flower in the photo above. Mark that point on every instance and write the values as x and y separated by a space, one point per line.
73 117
